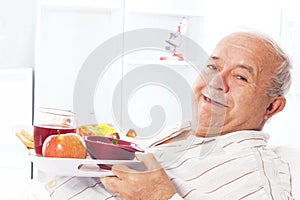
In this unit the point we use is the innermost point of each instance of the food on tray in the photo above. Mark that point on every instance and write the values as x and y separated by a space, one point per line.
100 147
26 138
85 131
98 130
69 145
131 133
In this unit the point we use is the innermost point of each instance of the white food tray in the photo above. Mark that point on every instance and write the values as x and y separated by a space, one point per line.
80 167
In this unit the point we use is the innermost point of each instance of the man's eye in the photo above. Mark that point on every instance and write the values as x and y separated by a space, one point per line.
242 78
212 67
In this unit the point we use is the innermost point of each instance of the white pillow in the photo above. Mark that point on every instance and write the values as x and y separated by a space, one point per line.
292 156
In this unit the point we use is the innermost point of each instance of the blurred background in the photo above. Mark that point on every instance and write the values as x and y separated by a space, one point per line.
44 43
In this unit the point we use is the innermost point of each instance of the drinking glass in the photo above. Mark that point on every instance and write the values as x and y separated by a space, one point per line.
51 121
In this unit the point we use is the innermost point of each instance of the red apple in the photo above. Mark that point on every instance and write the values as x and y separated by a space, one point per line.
69 145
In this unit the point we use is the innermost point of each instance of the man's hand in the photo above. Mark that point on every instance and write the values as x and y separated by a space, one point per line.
130 184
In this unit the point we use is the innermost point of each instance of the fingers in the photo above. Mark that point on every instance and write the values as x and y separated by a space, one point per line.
122 171
120 188
131 184
149 160
111 183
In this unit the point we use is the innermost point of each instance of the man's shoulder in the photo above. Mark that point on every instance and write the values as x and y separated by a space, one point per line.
169 133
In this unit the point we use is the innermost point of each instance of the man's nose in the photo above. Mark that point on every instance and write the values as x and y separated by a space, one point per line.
217 82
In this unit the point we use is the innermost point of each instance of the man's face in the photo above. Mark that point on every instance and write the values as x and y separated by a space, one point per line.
231 93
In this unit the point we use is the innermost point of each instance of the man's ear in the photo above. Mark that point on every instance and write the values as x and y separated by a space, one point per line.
276 105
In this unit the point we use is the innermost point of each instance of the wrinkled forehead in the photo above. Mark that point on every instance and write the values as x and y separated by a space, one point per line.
256 46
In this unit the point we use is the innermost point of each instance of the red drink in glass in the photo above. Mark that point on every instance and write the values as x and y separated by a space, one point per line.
41 132
51 121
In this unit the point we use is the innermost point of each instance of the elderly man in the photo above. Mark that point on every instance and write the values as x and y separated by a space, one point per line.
225 156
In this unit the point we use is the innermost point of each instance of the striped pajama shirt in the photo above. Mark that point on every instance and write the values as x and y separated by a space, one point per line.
233 166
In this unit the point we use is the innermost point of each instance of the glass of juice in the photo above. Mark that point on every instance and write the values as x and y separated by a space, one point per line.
51 121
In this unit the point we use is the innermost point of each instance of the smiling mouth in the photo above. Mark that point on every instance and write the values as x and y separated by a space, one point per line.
214 102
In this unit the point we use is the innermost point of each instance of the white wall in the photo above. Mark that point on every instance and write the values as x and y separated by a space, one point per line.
17 27
16 113
224 17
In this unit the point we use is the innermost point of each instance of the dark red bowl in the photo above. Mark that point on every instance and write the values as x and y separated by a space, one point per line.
103 148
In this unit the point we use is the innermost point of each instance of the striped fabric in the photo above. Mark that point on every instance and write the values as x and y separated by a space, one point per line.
234 166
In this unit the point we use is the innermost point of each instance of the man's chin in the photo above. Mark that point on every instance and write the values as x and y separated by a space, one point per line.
208 131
